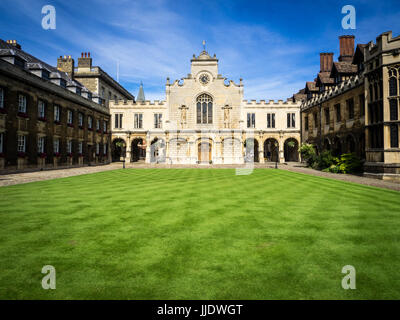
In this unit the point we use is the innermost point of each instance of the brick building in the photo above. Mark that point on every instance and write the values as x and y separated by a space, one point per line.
47 119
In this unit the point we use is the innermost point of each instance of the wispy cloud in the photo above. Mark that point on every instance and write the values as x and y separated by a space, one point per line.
155 39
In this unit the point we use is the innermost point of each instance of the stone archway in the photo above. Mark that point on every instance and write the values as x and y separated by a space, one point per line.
327 144
291 150
138 150
271 150
251 150
350 144
337 147
118 149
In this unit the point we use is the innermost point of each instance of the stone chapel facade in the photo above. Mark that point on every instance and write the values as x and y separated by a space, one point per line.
204 119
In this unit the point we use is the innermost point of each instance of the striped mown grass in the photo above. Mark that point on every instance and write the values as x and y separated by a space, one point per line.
199 234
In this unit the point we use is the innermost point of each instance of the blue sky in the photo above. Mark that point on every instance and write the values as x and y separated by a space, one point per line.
273 45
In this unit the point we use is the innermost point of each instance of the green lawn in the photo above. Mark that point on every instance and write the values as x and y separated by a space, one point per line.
198 234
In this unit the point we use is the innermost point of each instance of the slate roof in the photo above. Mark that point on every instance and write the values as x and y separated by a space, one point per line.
311 86
7 49
325 78
345 67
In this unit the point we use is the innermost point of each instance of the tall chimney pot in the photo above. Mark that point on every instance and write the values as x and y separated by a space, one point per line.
346 43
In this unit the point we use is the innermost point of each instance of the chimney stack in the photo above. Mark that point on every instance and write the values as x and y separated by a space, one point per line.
326 61
346 48
14 43
66 64
85 62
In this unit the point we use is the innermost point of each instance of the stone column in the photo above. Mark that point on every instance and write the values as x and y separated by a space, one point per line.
167 158
281 151
261 153
128 149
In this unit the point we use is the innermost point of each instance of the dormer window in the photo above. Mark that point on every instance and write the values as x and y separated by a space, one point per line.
19 62
45 75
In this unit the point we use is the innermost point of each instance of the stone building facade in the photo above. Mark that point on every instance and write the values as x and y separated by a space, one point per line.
360 112
203 120
47 119
102 86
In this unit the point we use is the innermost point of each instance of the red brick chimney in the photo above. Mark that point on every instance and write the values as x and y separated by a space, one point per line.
326 61
346 48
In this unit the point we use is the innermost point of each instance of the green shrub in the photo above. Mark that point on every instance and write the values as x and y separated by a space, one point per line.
349 163
324 160
308 153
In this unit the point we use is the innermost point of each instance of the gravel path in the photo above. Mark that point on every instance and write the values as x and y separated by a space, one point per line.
19 178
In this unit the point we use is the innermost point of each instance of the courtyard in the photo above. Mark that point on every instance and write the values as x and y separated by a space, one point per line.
198 234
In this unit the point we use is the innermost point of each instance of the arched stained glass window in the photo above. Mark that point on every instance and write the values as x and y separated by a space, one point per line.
204 109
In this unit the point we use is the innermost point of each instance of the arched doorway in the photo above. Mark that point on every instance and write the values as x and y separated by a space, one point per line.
204 152
337 147
327 144
117 149
351 144
157 151
251 150
291 150
271 150
138 150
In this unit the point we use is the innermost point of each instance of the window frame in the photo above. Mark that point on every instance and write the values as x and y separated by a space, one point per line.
22 107
271 120
204 109
41 109
118 118
21 143
56 145
291 120
138 120
251 120
41 144
57 113
158 120
70 117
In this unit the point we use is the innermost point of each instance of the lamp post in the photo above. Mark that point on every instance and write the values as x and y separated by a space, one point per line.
124 155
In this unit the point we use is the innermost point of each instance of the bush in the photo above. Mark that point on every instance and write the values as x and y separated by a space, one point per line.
346 163
308 153
349 163
325 160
